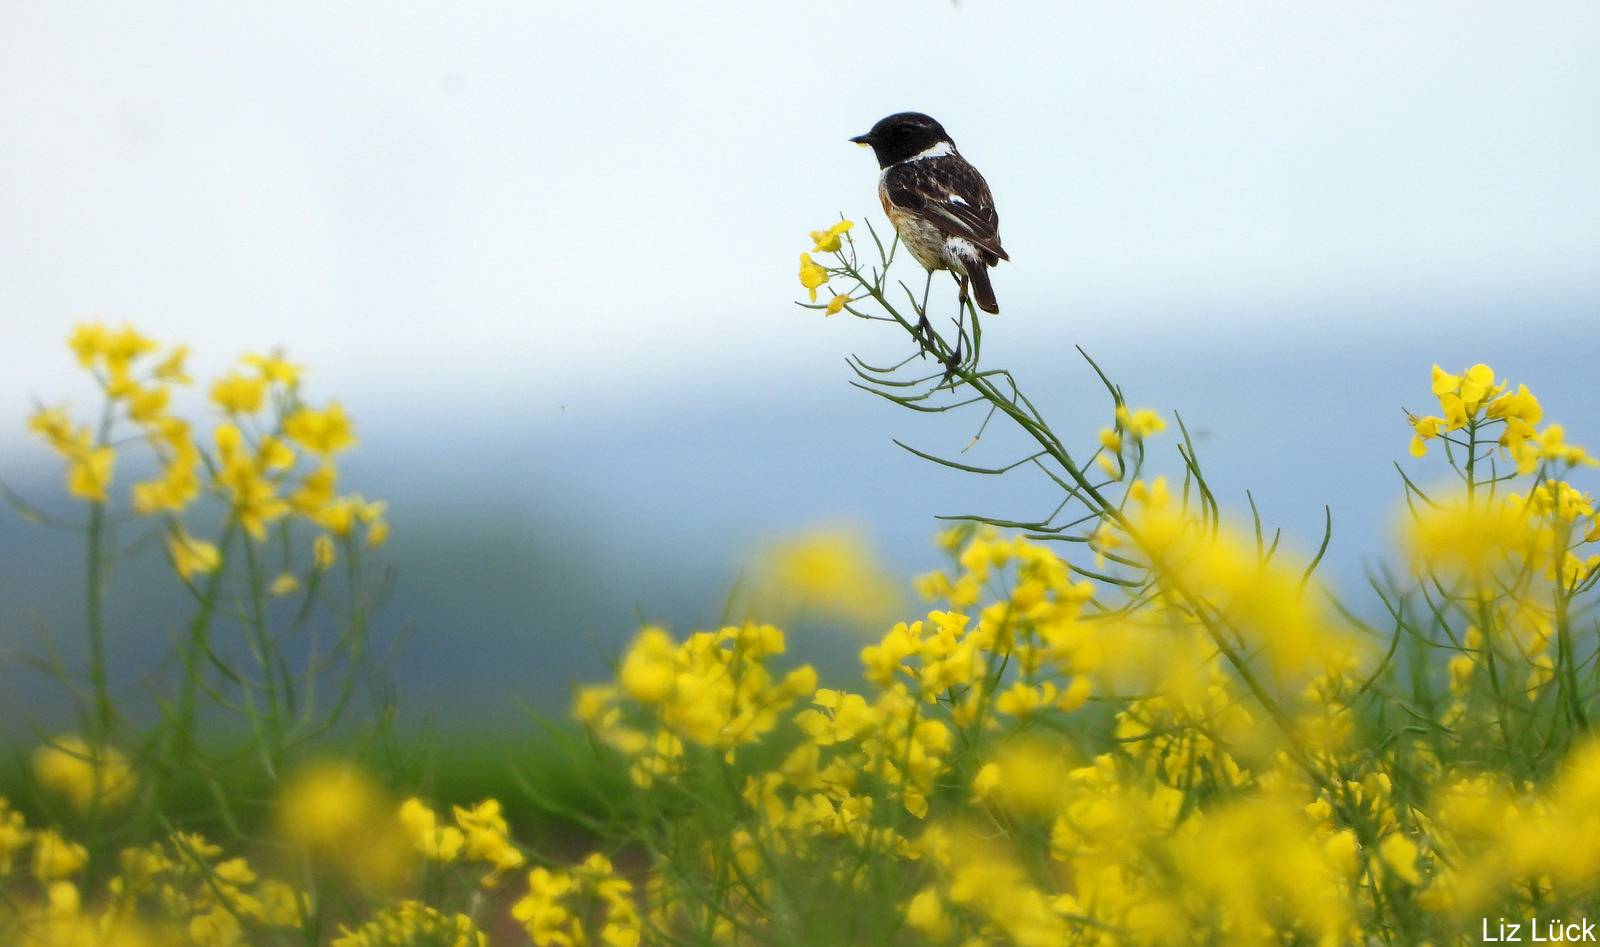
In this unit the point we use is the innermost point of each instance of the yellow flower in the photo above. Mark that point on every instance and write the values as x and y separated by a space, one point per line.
1022 700
1521 405
191 555
488 838
14 835
1026 776
648 672
122 347
333 813
272 453
88 342
836 304
1553 446
1139 424
284 584
827 241
175 489
1400 854
1458 538
89 466
811 275
323 555
831 570
55 857
411 923
1477 383
87 776
1426 429
255 500
237 394
324 432
925 914
317 490
170 369
441 844
89 473
340 516
145 405
57 428
276 369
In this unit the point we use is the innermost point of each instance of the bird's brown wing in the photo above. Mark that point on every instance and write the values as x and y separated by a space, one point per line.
950 194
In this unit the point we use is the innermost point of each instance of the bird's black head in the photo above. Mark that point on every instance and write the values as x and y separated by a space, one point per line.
902 135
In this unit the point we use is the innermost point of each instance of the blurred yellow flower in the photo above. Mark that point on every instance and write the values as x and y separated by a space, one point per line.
1139 424
88 342
89 466
411 924
1026 776
55 857
88 777
828 570
190 555
89 473
238 394
324 432
1464 538
275 368
317 490
335 815
171 369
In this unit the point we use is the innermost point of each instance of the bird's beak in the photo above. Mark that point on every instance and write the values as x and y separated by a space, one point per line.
863 140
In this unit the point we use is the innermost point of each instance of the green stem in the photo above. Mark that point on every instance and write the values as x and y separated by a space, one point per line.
95 601
1046 439
182 740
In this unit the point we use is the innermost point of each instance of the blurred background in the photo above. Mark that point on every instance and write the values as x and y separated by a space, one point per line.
545 254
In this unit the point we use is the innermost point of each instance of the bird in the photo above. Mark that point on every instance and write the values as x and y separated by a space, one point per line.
938 202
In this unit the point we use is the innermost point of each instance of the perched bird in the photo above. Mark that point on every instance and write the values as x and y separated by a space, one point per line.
939 204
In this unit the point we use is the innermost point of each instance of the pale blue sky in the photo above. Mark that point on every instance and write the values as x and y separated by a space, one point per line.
580 203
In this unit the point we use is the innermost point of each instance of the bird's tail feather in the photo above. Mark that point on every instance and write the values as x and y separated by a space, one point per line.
982 291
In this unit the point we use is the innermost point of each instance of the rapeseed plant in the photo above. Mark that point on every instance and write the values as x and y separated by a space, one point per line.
1128 722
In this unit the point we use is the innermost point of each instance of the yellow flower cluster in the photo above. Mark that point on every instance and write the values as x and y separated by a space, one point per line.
88 777
182 891
1154 731
479 835
253 460
186 890
410 923
1131 428
1489 836
712 690
1474 398
562 904
952 695
335 817
813 275
829 571
1236 796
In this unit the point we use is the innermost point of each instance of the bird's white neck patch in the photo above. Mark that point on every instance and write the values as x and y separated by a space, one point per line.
939 150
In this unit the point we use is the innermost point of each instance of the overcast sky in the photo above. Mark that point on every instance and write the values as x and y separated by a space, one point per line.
582 202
